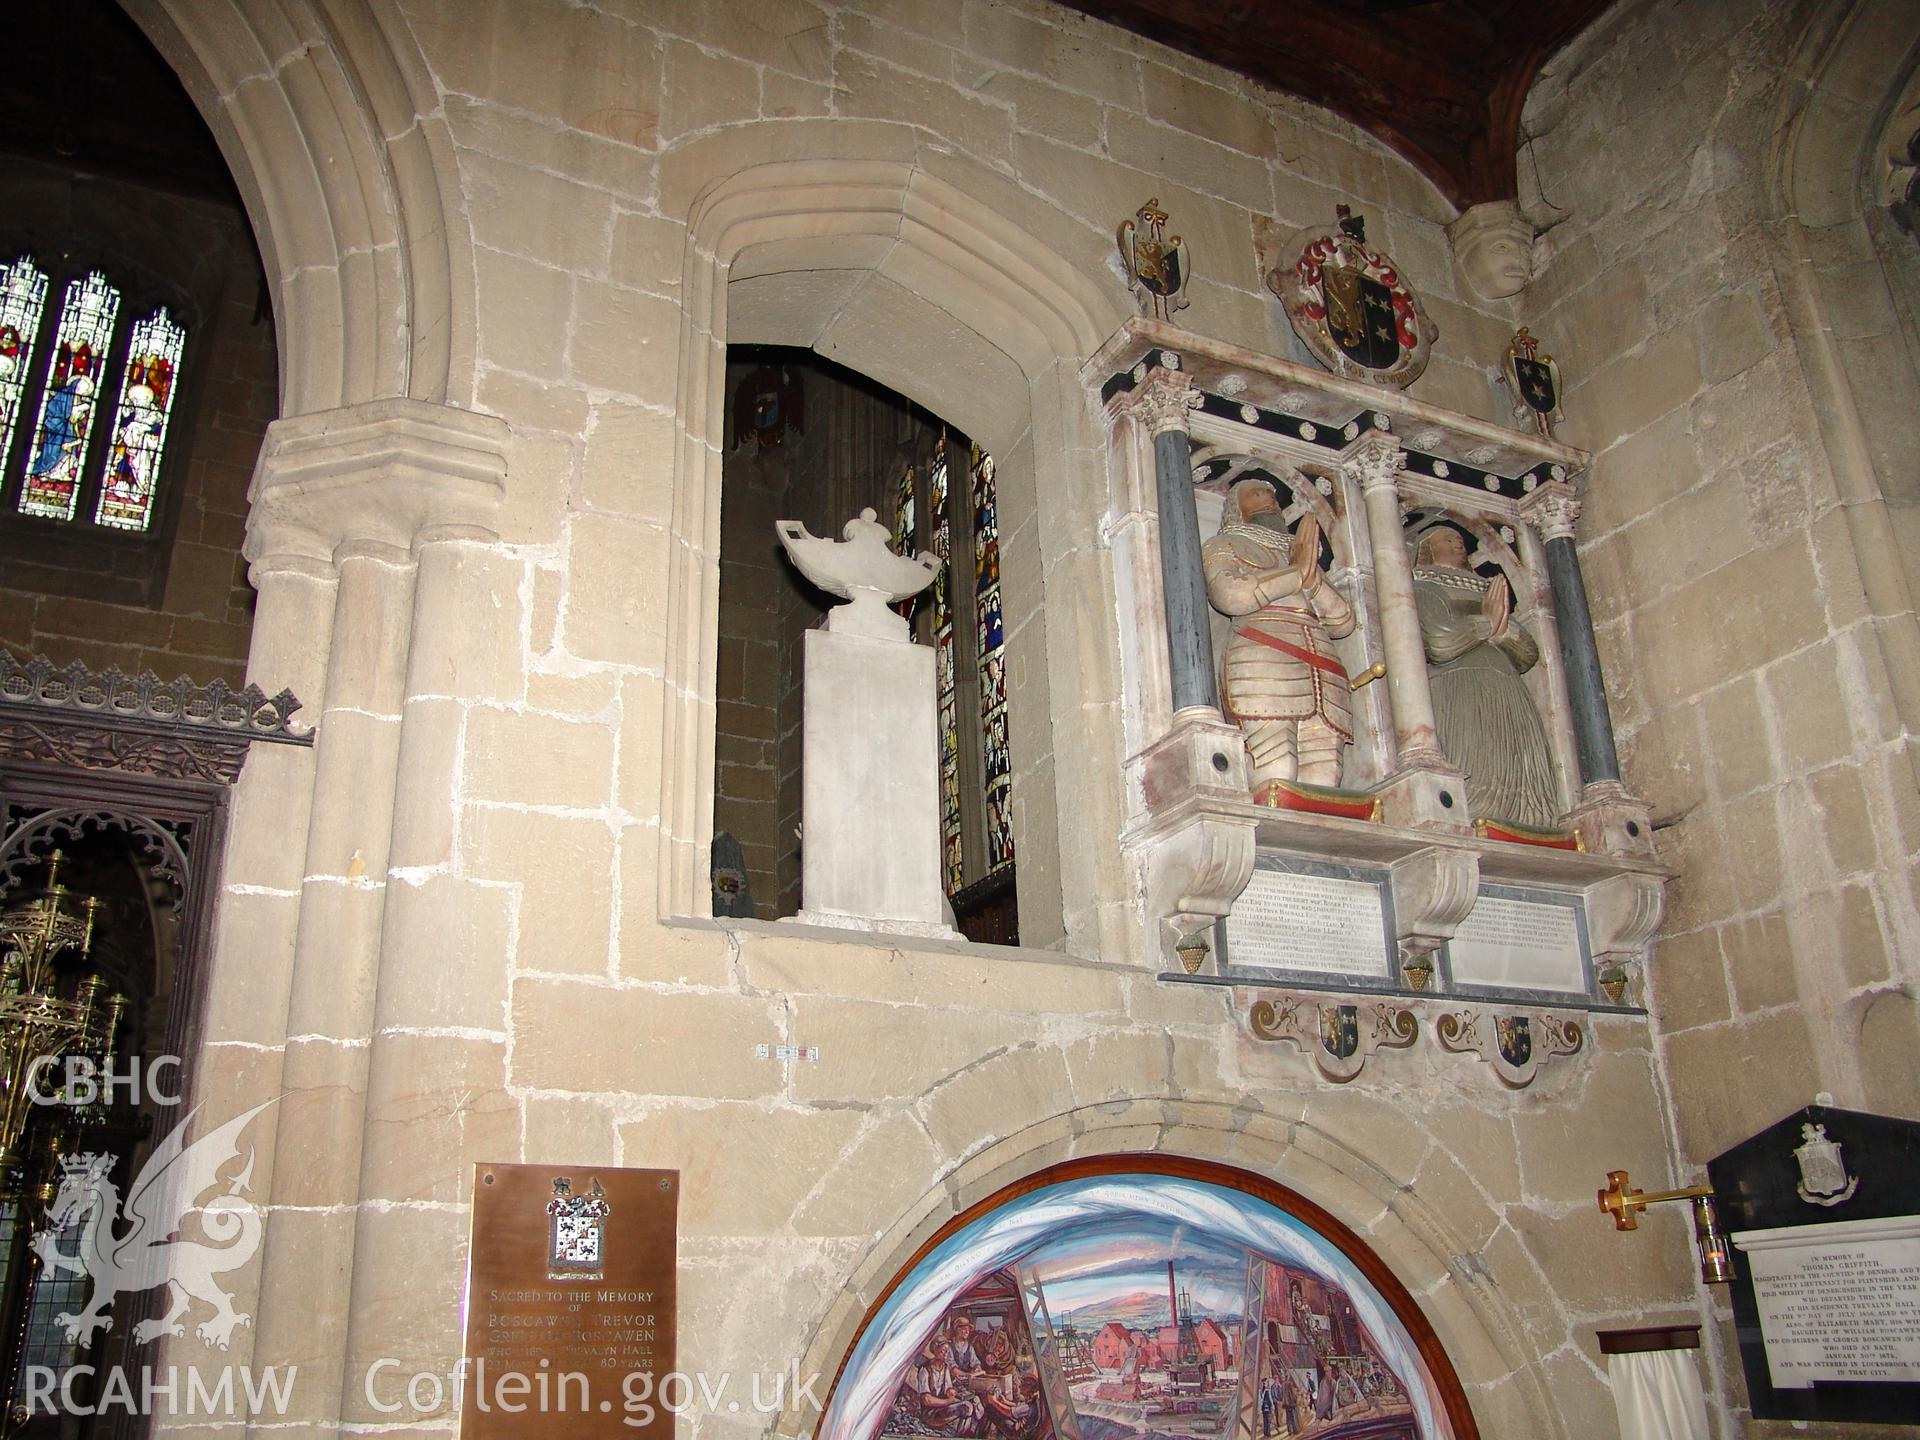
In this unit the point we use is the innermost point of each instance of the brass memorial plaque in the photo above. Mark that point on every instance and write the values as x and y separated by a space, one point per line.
570 1302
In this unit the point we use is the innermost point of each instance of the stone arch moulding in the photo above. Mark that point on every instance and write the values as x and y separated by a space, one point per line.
1818 185
1025 317
324 111
1214 1203
1464 1304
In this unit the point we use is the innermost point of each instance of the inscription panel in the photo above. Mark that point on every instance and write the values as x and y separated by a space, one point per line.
1838 1302
1521 940
570 1301
1310 919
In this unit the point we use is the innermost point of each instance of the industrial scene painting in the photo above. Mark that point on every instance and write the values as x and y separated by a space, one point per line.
1136 1307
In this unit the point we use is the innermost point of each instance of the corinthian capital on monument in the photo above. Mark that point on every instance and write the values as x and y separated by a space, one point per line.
1376 462
1163 402
1552 510
376 474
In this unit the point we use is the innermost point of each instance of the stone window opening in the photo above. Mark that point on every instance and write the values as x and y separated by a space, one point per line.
89 394
132 497
811 440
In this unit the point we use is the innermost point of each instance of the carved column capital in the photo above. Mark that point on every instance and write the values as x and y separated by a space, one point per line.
1375 463
381 473
1552 510
1163 401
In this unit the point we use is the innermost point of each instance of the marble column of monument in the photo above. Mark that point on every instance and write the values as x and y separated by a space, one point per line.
1608 817
1421 787
1196 846
1183 583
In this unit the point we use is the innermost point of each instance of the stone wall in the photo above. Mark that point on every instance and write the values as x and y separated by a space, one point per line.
182 604
1756 632
467 926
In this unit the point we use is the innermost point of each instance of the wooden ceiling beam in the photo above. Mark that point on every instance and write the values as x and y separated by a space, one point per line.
1442 82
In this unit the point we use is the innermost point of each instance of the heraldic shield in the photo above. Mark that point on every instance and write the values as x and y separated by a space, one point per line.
1537 386
1340 1030
1350 305
1360 317
1515 1039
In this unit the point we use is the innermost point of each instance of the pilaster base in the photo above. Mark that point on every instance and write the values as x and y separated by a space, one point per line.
1194 856
1425 797
1610 821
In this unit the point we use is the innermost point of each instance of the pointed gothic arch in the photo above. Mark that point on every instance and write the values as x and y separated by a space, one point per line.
927 284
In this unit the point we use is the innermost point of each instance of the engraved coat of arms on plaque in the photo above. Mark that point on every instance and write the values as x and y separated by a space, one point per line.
1349 305
1823 1174
576 1231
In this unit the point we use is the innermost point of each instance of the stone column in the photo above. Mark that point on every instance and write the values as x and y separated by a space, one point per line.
352 487
1553 512
1193 850
1163 405
1557 713
1422 788
1608 818
1375 467
436 1080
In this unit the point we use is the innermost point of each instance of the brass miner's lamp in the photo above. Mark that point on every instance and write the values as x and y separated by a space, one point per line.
38 1027
1625 1205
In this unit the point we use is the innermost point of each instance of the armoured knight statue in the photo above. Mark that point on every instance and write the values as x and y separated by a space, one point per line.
1283 684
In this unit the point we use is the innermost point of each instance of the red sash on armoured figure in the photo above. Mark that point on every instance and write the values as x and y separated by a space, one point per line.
1274 642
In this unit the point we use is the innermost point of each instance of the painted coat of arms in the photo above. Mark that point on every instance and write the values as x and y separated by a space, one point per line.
1514 1039
1823 1173
1349 306
576 1232
1535 382
1155 262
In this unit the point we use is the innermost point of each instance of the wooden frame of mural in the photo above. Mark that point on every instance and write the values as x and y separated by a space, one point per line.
1001 1362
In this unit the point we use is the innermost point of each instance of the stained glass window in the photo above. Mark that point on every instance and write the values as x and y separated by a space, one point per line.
140 427
949 505
73 375
991 655
946 688
23 300
906 531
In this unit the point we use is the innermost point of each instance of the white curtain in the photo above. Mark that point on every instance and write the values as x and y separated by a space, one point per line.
1657 1393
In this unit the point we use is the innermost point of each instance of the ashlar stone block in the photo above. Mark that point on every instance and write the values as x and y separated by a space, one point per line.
525 758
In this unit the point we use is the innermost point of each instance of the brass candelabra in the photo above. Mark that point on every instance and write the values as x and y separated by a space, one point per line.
41 935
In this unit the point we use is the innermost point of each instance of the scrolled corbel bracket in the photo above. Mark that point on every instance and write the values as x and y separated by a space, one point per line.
1338 1036
1433 891
1194 872
1623 914
1513 1043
